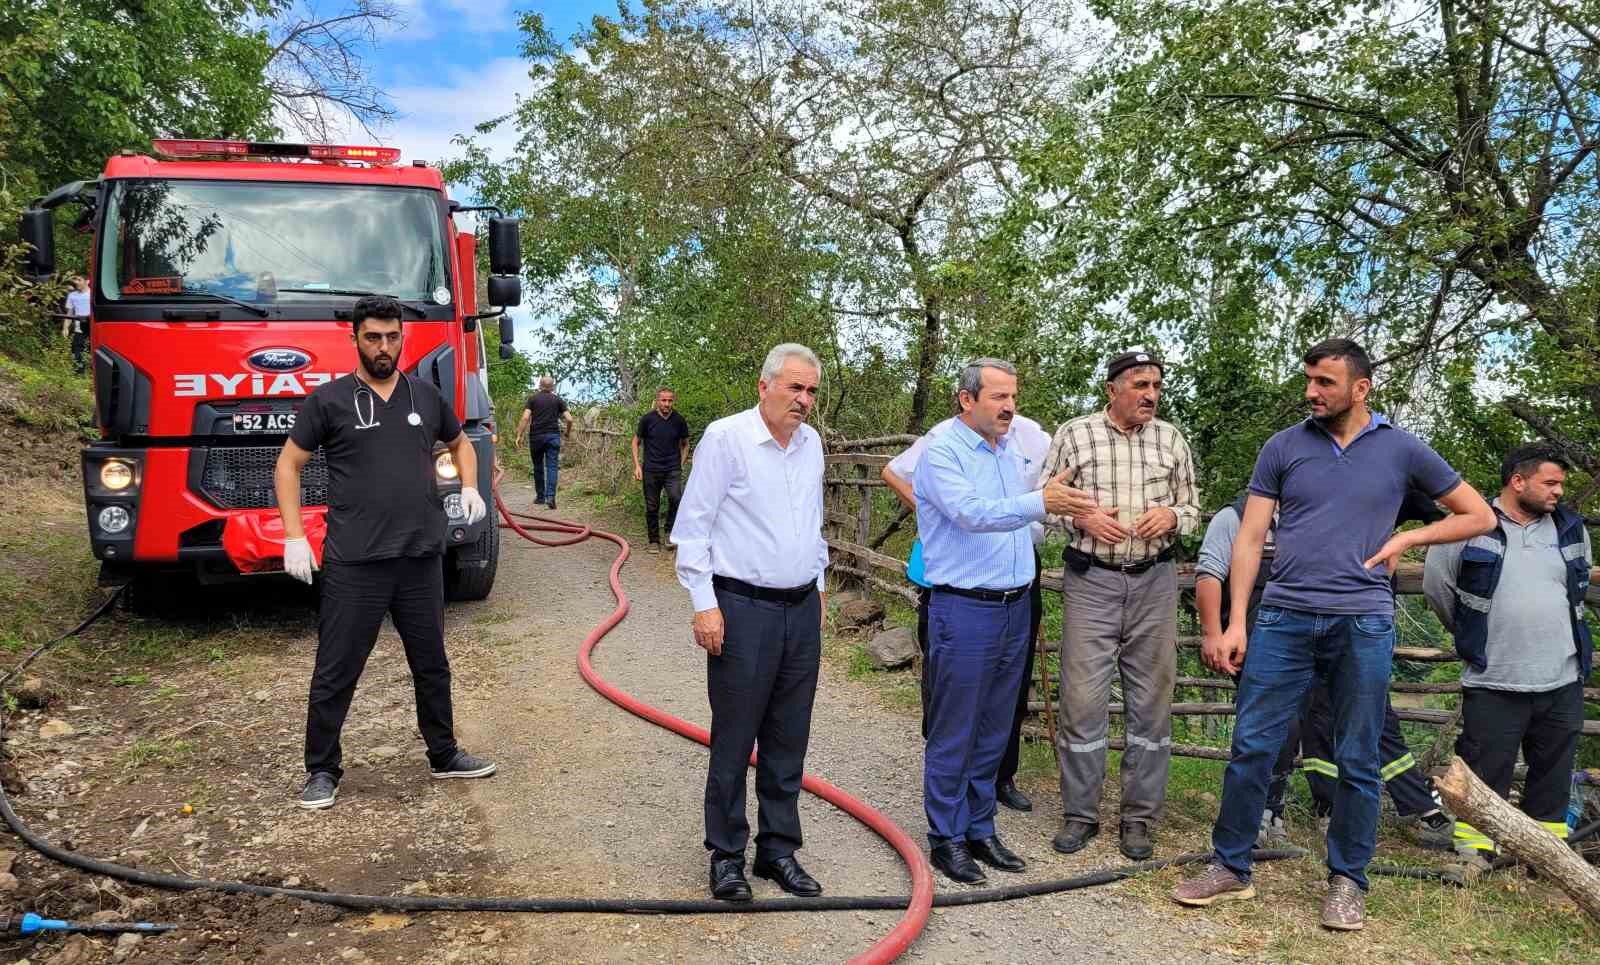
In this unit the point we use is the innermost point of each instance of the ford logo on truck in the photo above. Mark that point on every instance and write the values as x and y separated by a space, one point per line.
278 360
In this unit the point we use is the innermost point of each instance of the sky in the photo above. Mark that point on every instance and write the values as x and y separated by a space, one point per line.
454 64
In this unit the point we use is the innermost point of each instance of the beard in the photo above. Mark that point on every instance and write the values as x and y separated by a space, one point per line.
379 368
1531 506
1333 416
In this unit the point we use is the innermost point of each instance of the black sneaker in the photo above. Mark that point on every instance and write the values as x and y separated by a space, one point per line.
463 765
551 503
320 791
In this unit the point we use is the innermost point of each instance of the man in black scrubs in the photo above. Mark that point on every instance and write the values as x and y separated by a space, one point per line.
663 437
383 552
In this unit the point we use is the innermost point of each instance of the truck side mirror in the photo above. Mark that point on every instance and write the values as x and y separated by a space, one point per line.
37 227
508 330
506 351
505 246
505 291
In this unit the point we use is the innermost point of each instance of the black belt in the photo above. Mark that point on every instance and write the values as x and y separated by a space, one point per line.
1083 561
987 596
771 594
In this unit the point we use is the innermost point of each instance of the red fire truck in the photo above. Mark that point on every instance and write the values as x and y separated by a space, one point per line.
223 274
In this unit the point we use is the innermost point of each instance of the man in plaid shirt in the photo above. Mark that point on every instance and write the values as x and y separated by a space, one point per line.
1120 600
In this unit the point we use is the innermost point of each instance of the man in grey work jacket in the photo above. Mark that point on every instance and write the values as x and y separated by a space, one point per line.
1514 600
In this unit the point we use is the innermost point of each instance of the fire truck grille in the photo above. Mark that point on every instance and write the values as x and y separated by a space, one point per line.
240 477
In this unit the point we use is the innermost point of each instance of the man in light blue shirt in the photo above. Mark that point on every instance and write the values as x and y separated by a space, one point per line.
973 515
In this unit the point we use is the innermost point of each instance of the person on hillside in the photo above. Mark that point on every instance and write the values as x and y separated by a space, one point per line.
1337 480
383 552
660 445
75 326
545 422
1029 440
1513 599
1311 734
752 555
975 516
1120 600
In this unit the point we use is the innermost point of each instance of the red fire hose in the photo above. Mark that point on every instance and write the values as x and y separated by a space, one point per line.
887 948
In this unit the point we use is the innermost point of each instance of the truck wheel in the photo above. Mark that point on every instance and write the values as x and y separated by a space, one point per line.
469 572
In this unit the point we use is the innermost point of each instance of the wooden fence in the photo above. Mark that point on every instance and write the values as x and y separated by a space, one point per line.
852 474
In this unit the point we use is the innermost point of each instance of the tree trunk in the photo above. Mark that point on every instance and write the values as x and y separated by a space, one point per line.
627 292
1519 835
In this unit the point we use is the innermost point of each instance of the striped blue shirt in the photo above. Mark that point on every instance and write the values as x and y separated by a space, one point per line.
973 512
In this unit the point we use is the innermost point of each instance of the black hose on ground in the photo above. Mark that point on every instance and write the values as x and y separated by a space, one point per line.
607 906
1453 875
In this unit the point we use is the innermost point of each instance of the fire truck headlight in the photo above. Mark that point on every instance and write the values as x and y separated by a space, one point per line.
114 519
445 465
116 475
452 506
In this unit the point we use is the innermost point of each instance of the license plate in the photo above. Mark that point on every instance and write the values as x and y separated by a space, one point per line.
248 422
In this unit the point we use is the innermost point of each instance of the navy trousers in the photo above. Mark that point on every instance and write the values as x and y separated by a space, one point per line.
976 655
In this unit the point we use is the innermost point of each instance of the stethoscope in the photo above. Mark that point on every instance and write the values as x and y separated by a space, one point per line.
371 419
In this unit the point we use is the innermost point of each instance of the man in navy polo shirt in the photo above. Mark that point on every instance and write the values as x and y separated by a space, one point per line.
1336 480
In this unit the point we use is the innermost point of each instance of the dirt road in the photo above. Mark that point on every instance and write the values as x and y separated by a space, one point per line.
589 801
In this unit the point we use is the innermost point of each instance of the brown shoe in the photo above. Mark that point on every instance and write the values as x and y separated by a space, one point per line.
1135 842
1345 908
1212 885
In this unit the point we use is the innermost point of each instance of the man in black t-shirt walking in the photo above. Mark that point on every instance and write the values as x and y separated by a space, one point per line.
545 420
664 436
376 428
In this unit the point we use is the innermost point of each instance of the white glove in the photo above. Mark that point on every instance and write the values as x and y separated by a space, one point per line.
472 505
297 559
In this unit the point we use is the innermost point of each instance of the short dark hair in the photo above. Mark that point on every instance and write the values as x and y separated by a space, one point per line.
385 307
1525 460
666 388
1342 348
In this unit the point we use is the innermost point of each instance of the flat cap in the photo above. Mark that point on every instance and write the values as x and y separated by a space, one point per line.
1131 359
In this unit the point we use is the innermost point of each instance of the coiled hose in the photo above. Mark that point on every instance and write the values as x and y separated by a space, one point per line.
916 905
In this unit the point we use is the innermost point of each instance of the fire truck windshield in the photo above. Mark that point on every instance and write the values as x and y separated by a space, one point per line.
272 244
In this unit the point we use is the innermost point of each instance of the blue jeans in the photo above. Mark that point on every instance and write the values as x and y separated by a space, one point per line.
546 465
1354 654
976 654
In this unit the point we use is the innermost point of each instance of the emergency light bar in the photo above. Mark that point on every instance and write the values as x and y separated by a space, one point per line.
317 152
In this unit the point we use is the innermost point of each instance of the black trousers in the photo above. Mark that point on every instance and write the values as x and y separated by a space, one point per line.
1013 755
656 483
762 687
80 345
1312 735
1495 724
355 598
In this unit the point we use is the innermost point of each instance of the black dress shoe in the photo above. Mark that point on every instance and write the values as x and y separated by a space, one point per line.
1074 836
727 880
994 853
1006 793
786 871
1135 841
956 862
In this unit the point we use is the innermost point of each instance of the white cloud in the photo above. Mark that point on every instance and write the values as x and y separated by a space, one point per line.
430 115
482 16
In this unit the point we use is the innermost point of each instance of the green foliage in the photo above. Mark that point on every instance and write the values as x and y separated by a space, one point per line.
1239 178
85 79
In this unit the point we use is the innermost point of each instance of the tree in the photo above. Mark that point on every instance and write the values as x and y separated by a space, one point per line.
901 115
1420 176
82 80
318 72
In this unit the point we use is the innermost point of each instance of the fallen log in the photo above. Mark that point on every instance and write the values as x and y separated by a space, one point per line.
1519 835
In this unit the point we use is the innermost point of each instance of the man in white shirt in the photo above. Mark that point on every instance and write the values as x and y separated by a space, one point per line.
752 555
76 325
1031 444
